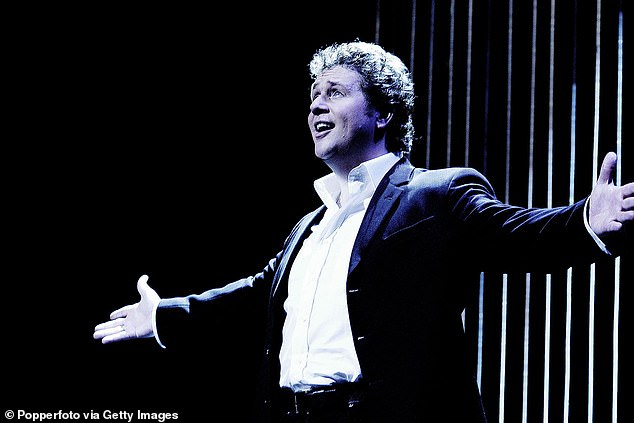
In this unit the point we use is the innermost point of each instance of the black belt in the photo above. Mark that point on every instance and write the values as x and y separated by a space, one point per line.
332 398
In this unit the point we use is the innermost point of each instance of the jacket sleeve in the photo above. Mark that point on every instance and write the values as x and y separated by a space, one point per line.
178 317
510 238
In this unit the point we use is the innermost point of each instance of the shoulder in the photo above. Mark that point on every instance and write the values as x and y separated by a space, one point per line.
444 180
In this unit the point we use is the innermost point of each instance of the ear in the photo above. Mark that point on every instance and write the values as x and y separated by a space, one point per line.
382 119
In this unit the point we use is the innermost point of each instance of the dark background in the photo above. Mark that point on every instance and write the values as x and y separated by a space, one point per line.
159 139
172 141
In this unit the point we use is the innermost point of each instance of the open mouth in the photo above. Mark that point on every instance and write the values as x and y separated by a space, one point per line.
323 126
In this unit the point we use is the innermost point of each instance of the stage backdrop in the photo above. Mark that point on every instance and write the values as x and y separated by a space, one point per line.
532 94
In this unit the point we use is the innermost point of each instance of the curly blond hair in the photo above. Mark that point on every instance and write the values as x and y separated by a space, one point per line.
386 81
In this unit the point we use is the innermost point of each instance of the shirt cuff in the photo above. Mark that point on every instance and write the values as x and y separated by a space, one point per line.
154 329
595 237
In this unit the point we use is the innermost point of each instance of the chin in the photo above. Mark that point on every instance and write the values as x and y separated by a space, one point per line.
320 155
322 152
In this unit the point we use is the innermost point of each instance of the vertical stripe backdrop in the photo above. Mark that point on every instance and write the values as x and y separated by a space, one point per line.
531 94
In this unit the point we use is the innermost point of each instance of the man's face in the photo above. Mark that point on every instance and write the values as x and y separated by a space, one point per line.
340 120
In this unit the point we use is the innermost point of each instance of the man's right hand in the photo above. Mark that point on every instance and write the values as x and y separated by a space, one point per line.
131 321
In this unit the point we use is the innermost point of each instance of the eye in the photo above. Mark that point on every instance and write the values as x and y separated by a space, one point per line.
335 93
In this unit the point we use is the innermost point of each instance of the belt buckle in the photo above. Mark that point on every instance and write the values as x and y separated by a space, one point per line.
304 401
295 403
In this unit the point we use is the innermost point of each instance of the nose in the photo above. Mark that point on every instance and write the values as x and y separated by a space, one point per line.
319 105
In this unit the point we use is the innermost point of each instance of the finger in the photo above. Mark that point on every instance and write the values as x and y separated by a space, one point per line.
110 324
628 203
625 216
102 333
142 282
628 190
614 226
121 312
119 336
607 168
142 285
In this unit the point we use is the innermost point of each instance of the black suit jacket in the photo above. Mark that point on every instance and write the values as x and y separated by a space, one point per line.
425 237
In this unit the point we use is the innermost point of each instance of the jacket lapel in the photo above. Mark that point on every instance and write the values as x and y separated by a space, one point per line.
295 238
383 200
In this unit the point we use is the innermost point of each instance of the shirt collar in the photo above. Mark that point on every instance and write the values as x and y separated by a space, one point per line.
365 176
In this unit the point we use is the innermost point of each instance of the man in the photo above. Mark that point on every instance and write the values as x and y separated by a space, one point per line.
365 298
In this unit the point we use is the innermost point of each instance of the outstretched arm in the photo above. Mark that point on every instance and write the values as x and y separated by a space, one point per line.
131 321
610 206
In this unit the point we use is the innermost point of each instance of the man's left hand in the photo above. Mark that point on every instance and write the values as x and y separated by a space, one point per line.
610 206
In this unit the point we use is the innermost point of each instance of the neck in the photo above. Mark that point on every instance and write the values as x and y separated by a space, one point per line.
342 170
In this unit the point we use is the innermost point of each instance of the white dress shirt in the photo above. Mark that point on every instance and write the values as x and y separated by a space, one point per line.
317 346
